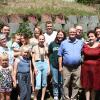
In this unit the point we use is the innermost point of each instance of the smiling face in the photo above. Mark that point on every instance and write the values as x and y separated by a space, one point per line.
6 30
41 40
49 28
3 40
92 37
98 33
4 60
60 36
72 34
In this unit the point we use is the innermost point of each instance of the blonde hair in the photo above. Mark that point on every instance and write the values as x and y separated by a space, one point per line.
25 48
4 56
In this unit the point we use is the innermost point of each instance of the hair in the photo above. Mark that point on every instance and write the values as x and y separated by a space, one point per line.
4 56
25 48
48 22
39 29
42 35
25 35
96 28
91 31
63 34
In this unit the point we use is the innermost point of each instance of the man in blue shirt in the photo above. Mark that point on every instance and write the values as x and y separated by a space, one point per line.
70 64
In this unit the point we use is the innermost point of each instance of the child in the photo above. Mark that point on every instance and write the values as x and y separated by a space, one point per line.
22 69
41 66
16 43
5 77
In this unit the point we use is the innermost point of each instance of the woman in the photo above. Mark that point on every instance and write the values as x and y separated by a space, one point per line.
41 66
53 51
34 40
90 72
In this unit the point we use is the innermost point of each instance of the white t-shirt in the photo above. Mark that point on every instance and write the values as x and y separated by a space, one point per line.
50 38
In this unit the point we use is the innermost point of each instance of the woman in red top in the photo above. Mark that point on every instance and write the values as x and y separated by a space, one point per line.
90 72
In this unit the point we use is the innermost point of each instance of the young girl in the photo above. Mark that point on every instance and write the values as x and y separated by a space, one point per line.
22 69
5 77
41 66
56 76
34 40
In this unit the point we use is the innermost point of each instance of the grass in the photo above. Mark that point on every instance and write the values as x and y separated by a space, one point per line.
46 6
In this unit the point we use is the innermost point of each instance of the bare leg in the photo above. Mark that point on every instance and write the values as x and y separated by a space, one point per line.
92 95
35 94
2 96
7 95
87 94
43 93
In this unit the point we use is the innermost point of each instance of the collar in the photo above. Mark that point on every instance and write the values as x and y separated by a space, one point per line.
76 40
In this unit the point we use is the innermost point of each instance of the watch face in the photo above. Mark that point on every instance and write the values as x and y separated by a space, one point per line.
42 57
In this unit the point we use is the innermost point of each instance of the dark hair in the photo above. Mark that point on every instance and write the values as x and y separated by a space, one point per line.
63 34
25 35
91 31
96 28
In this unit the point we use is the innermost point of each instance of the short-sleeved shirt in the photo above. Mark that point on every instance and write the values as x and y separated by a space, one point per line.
53 49
50 38
71 52
38 51
16 45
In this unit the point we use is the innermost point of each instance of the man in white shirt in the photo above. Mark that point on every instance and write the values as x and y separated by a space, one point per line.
50 35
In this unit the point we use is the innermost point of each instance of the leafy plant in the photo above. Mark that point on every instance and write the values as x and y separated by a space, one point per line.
24 28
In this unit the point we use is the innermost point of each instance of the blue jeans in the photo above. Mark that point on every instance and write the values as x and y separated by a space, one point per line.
56 81
24 85
41 77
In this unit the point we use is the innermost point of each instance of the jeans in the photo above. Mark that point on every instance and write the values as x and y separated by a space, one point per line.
41 77
56 81
24 86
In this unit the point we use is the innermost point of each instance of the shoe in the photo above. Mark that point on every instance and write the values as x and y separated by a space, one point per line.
56 98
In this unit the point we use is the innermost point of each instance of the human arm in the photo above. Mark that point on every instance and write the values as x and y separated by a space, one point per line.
15 71
32 76
33 62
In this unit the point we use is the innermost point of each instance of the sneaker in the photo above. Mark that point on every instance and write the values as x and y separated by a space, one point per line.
56 98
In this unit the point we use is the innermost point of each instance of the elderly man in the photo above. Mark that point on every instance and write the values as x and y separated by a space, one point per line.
70 64
97 30
79 32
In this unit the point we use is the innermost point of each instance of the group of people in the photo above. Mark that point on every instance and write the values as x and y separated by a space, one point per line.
72 61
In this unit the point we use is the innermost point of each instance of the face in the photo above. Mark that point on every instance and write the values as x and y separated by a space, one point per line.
17 38
60 36
98 33
4 62
72 33
25 53
36 32
5 30
49 28
23 40
3 42
92 37
41 39
79 30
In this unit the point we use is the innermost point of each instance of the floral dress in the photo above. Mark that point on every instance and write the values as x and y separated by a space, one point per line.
5 80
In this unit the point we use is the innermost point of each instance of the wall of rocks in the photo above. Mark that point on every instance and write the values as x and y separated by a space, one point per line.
59 21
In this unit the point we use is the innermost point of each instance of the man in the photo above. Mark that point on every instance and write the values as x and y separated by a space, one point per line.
6 30
50 35
79 32
70 64
97 30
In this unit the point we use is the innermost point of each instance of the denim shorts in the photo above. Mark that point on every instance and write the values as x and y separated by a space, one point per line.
41 77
